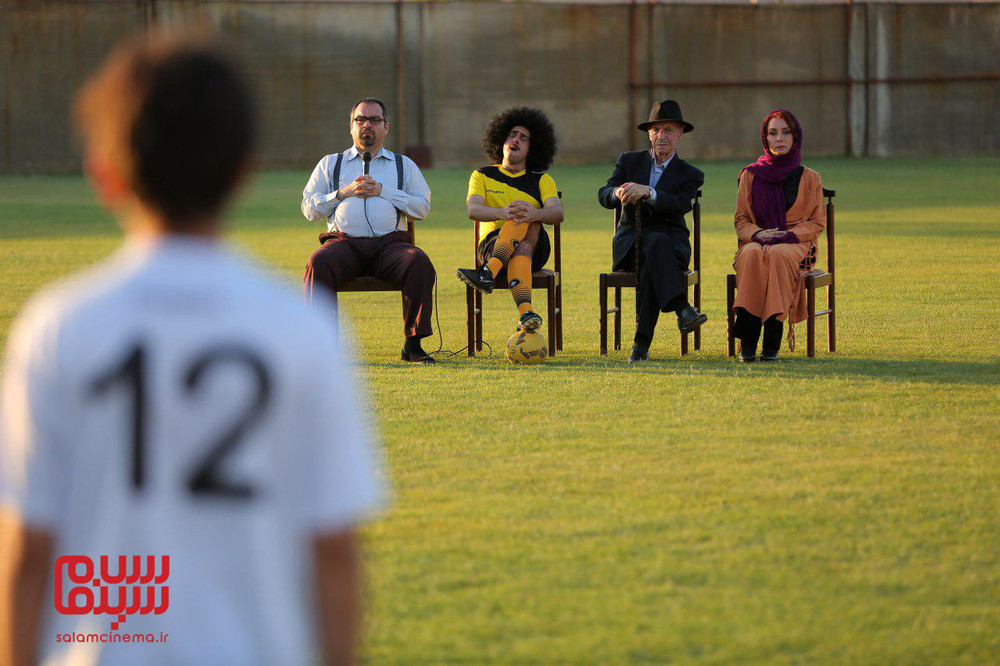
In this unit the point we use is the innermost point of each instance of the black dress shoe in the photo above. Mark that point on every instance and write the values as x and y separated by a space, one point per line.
689 319
746 359
769 358
418 355
639 353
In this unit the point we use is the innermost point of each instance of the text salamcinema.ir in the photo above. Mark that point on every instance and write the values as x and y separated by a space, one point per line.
117 637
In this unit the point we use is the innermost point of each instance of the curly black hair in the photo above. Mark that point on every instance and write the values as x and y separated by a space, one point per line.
543 145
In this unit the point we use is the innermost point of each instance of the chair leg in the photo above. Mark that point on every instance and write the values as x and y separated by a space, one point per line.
684 336
832 324
730 323
697 305
618 318
603 300
470 319
559 314
811 321
550 290
479 320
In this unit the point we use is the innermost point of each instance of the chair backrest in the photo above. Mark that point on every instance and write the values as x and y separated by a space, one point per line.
830 247
556 244
412 230
695 231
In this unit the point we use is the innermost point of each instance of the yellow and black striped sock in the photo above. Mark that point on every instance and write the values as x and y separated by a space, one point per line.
510 235
519 276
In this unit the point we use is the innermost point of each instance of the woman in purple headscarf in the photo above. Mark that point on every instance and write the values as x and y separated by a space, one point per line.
779 216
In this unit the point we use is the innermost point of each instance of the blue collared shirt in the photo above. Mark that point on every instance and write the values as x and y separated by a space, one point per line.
319 198
655 172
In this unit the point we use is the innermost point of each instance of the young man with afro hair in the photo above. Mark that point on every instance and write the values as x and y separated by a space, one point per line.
511 199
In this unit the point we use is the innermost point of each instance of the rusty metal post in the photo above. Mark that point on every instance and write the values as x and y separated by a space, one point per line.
631 73
147 14
400 79
867 88
849 105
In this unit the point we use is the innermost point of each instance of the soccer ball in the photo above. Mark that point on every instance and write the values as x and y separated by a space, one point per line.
527 347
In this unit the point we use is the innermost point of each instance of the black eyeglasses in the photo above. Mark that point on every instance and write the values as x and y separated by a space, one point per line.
374 120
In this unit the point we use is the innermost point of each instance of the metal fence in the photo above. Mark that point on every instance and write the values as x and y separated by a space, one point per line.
864 78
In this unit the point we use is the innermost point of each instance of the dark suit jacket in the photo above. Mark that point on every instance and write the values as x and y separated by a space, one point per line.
674 193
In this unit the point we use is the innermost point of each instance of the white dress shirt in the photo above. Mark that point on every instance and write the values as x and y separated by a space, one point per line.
254 354
655 172
354 214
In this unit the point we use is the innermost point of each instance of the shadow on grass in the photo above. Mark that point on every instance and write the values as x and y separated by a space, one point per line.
933 371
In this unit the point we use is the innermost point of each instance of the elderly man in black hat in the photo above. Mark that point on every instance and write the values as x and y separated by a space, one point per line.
655 188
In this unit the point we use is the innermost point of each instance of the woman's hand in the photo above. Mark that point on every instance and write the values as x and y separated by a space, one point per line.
767 234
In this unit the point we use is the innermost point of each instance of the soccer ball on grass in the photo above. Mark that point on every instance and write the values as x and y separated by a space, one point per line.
527 348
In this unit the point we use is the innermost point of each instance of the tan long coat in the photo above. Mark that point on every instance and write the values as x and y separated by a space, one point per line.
770 279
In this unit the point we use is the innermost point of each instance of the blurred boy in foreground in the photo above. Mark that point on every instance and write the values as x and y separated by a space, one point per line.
174 403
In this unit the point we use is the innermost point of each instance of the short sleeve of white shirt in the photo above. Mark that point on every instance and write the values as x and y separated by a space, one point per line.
32 438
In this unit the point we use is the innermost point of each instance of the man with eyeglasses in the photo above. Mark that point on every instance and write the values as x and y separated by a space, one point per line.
364 201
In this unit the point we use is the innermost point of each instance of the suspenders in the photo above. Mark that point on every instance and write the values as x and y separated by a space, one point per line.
335 179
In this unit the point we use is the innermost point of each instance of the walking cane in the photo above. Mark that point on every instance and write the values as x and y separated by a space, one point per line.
637 220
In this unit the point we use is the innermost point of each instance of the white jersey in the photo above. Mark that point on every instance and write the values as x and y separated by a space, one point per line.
174 402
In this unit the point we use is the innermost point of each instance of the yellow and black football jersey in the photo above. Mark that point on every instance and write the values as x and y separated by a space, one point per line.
498 187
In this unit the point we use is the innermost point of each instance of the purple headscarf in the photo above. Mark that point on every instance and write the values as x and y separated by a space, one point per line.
769 171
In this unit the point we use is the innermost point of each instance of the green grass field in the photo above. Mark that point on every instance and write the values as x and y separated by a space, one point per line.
841 509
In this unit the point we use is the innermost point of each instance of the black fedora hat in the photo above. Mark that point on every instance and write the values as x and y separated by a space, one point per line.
668 109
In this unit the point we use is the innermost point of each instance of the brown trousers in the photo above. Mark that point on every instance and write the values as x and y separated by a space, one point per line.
342 258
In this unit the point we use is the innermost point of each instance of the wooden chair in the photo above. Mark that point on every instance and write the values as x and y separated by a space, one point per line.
626 280
549 280
815 279
369 283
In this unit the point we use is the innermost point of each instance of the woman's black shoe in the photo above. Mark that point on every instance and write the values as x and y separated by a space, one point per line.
772 340
748 345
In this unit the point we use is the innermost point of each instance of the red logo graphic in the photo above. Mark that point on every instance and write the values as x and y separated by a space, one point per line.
80 600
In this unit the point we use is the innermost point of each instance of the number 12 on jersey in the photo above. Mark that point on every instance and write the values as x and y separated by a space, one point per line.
206 479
